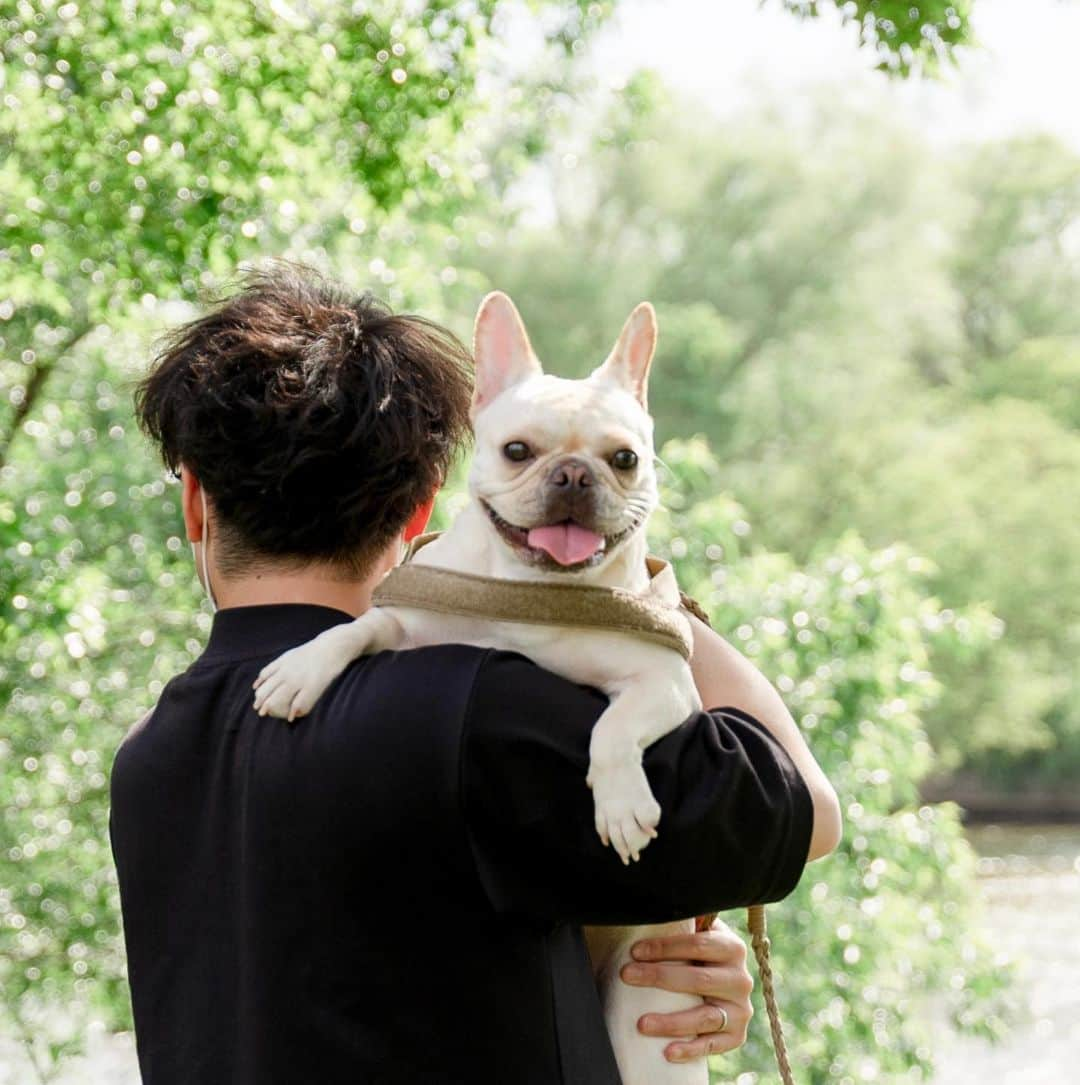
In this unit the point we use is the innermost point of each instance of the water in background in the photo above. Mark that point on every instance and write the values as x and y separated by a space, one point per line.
1030 881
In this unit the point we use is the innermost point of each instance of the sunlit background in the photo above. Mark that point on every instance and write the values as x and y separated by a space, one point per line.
865 259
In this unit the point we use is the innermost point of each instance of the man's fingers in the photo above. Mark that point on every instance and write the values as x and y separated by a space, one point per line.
703 1020
710 981
719 945
716 1044
711 964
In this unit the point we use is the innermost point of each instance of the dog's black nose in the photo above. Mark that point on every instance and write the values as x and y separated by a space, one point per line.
571 475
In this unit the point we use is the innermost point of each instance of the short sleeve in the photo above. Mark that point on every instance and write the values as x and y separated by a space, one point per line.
736 816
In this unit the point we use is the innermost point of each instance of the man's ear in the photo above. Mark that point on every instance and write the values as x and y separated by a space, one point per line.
502 350
630 358
192 504
419 521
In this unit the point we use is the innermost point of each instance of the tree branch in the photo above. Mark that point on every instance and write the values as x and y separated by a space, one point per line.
34 387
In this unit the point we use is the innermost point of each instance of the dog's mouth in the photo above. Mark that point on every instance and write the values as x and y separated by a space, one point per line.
566 545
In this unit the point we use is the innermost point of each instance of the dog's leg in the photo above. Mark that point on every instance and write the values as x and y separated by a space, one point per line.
640 1057
290 685
640 711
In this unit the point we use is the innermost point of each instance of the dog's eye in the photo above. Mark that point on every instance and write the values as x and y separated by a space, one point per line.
624 460
518 451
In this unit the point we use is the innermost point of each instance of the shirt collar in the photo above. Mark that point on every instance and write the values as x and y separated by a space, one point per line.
248 632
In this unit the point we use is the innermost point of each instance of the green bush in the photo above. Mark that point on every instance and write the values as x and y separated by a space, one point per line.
888 925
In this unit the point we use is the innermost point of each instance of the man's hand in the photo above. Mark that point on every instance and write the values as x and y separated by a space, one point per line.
711 963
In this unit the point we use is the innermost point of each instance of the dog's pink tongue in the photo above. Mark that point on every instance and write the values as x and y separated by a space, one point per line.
566 543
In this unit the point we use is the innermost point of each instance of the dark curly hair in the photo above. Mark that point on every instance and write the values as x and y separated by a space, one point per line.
316 421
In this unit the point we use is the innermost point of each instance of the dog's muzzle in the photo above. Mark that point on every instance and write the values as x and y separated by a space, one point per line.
570 493
571 475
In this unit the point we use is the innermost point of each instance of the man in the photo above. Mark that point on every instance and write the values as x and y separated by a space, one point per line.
393 890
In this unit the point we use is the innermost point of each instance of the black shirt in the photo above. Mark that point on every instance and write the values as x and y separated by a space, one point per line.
391 890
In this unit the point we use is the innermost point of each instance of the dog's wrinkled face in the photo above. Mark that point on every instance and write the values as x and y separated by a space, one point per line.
563 469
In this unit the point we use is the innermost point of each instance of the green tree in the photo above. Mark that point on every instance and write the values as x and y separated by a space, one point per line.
767 247
905 35
1044 370
997 473
145 152
1015 264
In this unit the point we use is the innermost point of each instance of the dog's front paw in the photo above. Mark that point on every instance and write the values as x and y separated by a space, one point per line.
626 812
290 686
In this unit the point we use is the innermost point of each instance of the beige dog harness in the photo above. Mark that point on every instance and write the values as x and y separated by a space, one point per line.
659 615
654 616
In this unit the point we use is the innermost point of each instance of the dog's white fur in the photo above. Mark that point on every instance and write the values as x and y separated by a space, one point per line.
650 688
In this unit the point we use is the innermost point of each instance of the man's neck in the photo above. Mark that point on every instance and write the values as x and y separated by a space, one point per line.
315 586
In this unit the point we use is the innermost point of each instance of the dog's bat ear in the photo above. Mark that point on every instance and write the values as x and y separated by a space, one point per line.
630 358
501 348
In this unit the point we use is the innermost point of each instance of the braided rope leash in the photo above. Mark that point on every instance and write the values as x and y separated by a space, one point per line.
759 939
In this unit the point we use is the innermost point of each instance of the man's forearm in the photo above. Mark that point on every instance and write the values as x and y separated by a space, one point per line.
725 677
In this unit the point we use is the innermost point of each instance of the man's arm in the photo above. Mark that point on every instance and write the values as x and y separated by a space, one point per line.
735 824
724 676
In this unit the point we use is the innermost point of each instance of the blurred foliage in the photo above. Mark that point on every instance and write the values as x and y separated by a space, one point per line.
906 34
889 922
96 608
873 335
145 150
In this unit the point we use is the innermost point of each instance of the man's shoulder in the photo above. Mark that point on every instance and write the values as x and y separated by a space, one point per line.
129 742
461 676
137 728
509 686
141 737
430 682
508 670
410 671
141 729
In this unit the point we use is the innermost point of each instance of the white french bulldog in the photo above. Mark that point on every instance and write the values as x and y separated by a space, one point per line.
562 484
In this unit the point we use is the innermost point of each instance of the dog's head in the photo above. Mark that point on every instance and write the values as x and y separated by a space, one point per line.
563 469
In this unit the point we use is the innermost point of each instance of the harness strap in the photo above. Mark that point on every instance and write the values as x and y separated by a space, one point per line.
447 591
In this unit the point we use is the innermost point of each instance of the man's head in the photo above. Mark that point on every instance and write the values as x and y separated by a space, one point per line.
316 422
